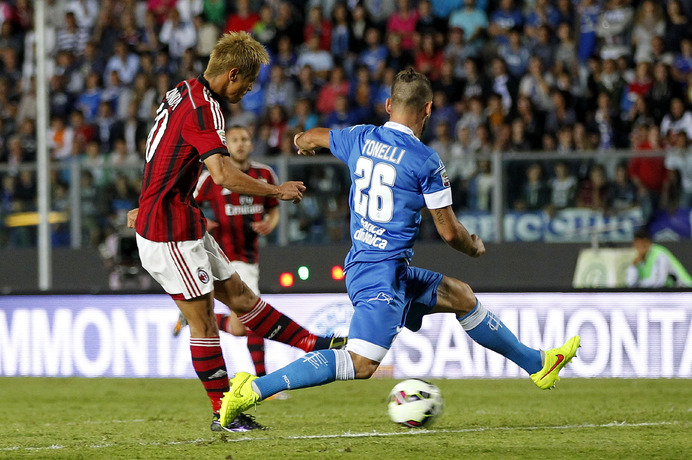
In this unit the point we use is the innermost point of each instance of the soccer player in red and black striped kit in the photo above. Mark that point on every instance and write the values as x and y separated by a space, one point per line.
239 220
174 246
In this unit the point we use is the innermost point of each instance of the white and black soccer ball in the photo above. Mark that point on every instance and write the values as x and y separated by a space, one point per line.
414 403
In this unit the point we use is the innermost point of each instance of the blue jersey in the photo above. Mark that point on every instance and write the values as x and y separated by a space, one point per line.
393 176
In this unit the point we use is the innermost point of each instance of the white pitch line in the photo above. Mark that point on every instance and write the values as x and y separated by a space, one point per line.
373 434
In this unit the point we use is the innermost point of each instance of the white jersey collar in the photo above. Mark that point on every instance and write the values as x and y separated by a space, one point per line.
400 127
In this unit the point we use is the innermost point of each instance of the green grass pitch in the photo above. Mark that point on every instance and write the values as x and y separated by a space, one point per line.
58 418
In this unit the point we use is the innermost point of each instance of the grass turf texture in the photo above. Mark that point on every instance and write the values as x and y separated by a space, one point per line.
160 419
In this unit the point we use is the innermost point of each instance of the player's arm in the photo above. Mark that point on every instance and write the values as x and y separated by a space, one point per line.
132 217
226 175
311 140
268 223
455 234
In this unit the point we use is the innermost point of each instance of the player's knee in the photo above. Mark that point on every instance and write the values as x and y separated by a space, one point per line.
458 294
363 366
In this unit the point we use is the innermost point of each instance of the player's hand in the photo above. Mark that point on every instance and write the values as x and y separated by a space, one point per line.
477 244
132 217
291 191
306 152
262 227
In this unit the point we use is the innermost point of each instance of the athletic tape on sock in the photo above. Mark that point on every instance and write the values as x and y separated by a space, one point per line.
345 370
474 318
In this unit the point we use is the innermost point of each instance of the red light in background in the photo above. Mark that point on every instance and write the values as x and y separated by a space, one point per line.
286 279
337 272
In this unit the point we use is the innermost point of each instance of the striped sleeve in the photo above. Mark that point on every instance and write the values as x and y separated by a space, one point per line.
205 127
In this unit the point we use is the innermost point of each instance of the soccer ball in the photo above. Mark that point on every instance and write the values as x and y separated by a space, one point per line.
415 403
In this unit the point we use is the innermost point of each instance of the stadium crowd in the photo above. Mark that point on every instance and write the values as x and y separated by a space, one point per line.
511 76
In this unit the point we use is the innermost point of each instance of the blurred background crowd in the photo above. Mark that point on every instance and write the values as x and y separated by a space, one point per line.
518 77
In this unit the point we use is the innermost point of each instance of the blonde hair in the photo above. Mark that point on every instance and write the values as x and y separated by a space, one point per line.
236 50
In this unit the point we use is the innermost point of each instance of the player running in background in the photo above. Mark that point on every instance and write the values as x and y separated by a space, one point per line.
240 219
174 246
393 177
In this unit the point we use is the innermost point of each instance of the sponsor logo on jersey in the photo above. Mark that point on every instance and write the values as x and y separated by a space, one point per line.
203 276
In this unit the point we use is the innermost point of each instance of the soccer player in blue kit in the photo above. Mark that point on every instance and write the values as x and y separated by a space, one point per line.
394 175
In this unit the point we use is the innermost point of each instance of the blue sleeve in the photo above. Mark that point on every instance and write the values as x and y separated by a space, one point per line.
434 183
341 141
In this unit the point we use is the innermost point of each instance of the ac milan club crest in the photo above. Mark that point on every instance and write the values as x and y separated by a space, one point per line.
203 276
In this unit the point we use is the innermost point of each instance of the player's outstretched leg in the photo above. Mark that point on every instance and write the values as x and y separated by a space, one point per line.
555 360
313 369
487 330
268 322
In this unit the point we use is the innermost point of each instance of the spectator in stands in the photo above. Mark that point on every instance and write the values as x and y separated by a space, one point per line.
543 46
505 18
679 158
622 193
71 37
309 85
317 24
682 65
593 191
677 119
288 23
535 195
60 138
542 13
60 101
648 174
379 11
503 83
374 55
649 22
561 114
613 29
428 23
122 61
403 23
215 11
566 50
678 26
304 117
341 33
104 121
319 60
280 90
397 58
534 86
177 35
149 42
663 90
563 187
515 54
337 85
341 116
89 100
441 140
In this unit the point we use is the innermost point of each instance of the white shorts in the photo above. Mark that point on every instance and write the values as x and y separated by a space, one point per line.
249 273
185 269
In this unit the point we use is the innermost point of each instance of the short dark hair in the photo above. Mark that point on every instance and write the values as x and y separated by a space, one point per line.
642 233
411 89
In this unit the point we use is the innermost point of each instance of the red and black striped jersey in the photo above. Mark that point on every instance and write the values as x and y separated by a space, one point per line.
235 213
189 127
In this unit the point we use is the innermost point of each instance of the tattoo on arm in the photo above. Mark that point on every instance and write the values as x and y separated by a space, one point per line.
439 216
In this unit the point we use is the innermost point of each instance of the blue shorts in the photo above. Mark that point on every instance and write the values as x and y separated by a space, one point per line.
387 296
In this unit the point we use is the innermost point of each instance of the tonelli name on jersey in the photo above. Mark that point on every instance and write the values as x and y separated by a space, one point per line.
383 151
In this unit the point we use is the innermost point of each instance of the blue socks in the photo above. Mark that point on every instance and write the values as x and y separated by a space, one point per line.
313 369
487 330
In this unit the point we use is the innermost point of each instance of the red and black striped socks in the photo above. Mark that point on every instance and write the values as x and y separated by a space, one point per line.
207 360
